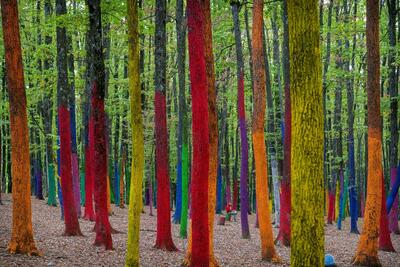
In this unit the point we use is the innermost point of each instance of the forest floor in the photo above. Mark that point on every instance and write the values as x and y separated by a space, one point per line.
230 248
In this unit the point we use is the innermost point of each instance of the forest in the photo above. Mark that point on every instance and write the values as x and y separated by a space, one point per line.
199 133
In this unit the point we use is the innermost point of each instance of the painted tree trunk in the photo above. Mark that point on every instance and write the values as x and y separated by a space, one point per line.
263 212
285 197
307 185
164 238
385 242
97 116
212 123
350 123
21 234
393 92
89 179
88 137
70 214
135 206
200 190
394 192
59 191
367 250
74 149
341 201
244 167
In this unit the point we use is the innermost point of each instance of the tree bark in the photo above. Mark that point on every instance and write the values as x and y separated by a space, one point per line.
307 218
164 238
367 250
244 203
21 235
63 90
98 120
267 240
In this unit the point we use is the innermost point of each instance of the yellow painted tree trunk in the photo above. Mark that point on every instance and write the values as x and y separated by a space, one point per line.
260 156
367 250
135 201
307 218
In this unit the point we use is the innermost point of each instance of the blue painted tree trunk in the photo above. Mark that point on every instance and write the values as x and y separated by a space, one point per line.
341 201
38 174
218 207
60 199
74 158
178 198
394 192
352 189
116 184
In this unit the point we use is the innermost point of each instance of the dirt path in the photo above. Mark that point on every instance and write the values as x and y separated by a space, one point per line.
230 249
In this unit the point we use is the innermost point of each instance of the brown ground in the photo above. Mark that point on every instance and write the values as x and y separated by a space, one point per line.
230 249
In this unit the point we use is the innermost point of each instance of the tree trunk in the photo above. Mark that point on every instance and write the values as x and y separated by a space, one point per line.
183 133
385 242
99 149
21 236
244 203
307 220
70 215
212 123
367 250
47 113
393 92
285 197
198 35
164 238
74 149
135 202
267 240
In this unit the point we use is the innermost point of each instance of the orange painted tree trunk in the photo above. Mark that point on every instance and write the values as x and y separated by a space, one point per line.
264 217
200 130
212 124
22 235
164 238
367 250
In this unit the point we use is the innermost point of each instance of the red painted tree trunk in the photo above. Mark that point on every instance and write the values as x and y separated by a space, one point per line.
89 211
235 194
103 228
200 129
70 215
98 144
385 243
164 238
285 196
331 207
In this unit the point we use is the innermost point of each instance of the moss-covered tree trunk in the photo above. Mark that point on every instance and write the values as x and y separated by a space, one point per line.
135 202
307 185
